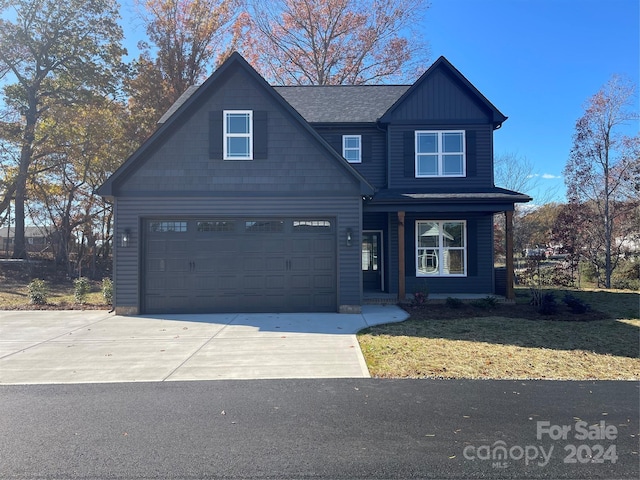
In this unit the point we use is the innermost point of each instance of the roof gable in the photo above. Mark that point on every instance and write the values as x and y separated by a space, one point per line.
442 93
193 100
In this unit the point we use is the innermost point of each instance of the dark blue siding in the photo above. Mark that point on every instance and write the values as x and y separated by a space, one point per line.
132 210
441 99
479 279
374 158
479 139
187 162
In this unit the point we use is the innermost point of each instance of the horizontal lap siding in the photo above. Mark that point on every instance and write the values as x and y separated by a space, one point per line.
131 211
295 159
374 160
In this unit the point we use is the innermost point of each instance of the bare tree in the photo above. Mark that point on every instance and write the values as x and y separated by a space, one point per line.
334 42
599 172
186 39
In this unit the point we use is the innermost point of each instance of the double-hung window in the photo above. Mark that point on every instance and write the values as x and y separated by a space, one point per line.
238 134
352 148
440 153
441 248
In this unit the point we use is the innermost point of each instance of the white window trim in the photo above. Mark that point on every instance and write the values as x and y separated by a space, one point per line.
344 147
441 249
226 135
440 154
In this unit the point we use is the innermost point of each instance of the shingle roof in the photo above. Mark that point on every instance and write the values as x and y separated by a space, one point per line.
342 103
178 103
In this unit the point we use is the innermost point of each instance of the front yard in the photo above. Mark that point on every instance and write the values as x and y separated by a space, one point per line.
503 341
511 341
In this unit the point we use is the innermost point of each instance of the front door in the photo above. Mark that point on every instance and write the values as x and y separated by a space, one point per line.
372 260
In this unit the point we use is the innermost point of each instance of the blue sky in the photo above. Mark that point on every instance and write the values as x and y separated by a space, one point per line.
537 61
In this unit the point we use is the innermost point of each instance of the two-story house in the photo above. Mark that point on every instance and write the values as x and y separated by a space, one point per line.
253 198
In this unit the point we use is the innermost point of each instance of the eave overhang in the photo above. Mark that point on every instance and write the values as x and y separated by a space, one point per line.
495 200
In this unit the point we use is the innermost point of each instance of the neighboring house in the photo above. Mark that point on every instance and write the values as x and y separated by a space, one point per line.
253 198
37 239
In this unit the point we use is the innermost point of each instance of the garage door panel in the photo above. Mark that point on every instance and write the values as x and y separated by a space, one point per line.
323 281
324 301
253 263
276 264
299 282
324 245
323 264
252 282
253 266
226 283
176 265
301 264
301 245
275 282
271 245
156 265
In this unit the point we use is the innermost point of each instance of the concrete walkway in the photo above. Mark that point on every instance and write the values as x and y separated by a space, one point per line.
42 347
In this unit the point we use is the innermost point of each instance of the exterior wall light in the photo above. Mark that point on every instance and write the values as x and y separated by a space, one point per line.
349 237
126 237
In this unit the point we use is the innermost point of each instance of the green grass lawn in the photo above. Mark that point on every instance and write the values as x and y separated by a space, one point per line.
511 341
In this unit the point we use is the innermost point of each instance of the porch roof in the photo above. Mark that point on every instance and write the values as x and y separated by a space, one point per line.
491 200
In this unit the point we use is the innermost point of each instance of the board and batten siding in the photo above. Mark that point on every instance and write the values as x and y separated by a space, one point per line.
131 211
441 99
479 159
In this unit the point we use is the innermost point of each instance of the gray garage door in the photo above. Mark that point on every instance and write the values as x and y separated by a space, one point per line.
239 265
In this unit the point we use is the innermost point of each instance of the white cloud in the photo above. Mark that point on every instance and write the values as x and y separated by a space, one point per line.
549 176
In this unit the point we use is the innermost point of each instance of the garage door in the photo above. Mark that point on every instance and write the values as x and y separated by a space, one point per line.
239 265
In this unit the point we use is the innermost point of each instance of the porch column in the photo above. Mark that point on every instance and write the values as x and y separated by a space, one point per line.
401 279
508 233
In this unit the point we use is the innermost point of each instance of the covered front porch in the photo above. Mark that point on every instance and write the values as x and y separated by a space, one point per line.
397 224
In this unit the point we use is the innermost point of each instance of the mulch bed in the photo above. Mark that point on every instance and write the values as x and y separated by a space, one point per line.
441 311
61 306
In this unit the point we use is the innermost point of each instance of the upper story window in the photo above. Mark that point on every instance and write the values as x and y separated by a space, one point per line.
440 153
352 148
238 135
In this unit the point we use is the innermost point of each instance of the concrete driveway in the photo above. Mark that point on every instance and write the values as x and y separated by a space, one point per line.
39 347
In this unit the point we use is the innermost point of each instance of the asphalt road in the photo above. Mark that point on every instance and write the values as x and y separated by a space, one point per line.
344 428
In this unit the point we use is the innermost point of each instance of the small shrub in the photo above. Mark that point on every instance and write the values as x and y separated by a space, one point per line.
575 304
38 292
486 303
421 294
419 298
81 288
548 304
107 290
619 282
454 302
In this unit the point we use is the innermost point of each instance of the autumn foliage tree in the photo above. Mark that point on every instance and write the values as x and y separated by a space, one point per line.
334 42
85 143
600 171
186 38
51 53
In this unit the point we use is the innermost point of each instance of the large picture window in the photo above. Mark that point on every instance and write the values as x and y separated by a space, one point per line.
238 134
441 248
440 153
